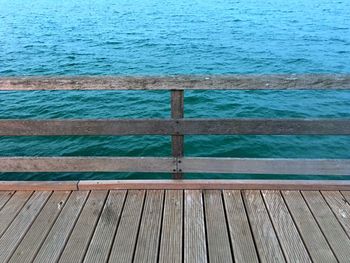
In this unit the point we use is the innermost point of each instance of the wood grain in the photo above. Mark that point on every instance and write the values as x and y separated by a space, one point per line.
60 231
102 239
239 229
176 127
264 234
172 229
195 248
35 236
126 236
79 240
12 208
21 223
288 236
149 234
311 234
219 248
180 82
331 228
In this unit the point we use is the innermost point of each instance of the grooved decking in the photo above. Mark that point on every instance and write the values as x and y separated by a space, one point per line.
174 226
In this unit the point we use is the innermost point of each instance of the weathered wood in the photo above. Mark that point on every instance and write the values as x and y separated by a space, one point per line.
149 234
266 166
126 236
340 208
38 185
288 236
86 164
176 127
241 236
219 248
21 223
264 234
79 240
331 228
4 196
170 250
311 234
195 248
32 241
12 208
60 231
249 81
216 184
177 113
191 165
102 239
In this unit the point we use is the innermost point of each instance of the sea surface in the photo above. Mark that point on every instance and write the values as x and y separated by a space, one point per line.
148 37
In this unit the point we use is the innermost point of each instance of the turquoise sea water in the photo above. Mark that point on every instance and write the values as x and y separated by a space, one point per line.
145 37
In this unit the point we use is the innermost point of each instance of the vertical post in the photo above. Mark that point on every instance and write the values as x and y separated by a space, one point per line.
177 112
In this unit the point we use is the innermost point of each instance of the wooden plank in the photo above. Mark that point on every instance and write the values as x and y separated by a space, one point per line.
21 223
195 248
181 82
176 127
79 240
311 234
60 231
126 237
340 208
172 228
266 166
216 184
102 239
290 240
4 197
177 112
12 208
241 236
190 165
35 236
331 228
39 185
219 248
264 234
86 164
149 234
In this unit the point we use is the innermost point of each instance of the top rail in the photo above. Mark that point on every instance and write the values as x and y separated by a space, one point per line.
185 82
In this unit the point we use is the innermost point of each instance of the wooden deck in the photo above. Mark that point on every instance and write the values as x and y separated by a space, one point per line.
174 226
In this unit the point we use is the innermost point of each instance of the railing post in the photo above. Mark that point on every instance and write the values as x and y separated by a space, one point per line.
177 141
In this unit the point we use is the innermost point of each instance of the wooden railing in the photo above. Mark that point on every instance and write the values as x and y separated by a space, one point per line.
177 126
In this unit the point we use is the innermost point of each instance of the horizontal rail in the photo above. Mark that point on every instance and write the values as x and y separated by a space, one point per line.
298 185
266 166
253 82
169 165
86 164
175 127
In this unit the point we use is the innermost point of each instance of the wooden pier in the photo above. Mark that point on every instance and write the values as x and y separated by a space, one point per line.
176 220
174 226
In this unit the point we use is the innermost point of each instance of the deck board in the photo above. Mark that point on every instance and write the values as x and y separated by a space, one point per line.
102 239
172 229
4 197
126 237
312 235
79 239
265 237
58 235
240 233
175 226
290 240
219 248
329 224
35 236
21 223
